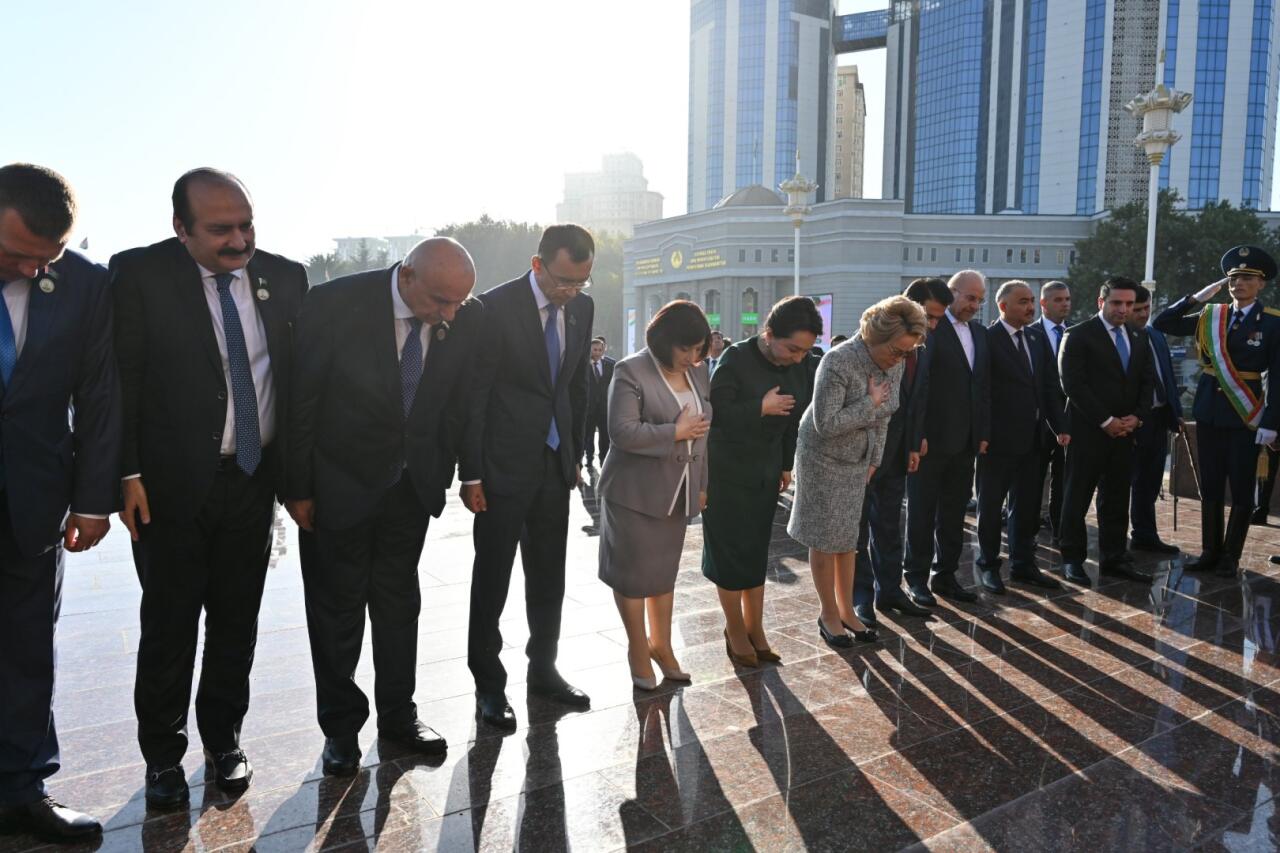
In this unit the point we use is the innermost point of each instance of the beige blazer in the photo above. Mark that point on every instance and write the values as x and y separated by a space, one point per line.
646 466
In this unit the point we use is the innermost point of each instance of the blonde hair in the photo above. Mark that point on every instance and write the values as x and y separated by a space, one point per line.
892 318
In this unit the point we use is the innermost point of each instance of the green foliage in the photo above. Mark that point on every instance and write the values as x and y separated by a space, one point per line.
1189 249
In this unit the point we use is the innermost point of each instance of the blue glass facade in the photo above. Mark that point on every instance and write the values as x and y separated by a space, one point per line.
1206 122
1095 24
788 83
709 12
862 31
750 126
1255 121
1032 104
949 146
1170 73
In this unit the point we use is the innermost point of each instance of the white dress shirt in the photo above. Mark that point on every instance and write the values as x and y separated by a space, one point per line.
965 334
1055 339
543 304
255 343
1026 343
403 315
17 294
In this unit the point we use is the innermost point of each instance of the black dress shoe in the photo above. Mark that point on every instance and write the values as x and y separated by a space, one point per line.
494 709
1154 546
341 756
1275 558
556 689
1035 577
49 820
835 641
866 614
921 597
866 635
1260 515
948 587
1075 573
167 787
992 583
232 769
416 736
905 606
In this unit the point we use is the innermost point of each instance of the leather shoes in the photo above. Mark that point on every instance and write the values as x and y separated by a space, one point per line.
416 736
341 756
494 709
948 587
1035 577
921 597
232 769
49 820
992 583
167 787
1154 546
905 606
866 614
556 689
1075 573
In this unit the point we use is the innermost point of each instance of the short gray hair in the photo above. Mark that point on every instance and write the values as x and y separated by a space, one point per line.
891 318
955 280
1007 289
1050 286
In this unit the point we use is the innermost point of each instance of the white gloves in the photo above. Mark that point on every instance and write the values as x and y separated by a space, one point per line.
1266 437
1207 293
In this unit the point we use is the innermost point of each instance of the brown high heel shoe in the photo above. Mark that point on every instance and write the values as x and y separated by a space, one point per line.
670 674
750 660
768 655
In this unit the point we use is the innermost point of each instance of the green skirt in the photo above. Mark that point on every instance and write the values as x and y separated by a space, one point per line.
737 527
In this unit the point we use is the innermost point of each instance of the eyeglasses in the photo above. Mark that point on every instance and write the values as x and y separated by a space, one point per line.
899 355
565 284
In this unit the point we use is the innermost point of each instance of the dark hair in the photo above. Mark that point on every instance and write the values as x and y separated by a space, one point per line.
41 197
1142 296
839 339
922 290
182 198
679 323
599 339
1118 283
793 314
572 238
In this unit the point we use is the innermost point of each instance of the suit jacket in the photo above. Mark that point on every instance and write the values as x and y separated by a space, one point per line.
598 389
513 399
1096 385
957 407
1022 398
908 420
1167 377
349 440
175 394
53 462
646 464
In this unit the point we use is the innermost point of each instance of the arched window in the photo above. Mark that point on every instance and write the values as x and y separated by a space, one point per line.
685 296
654 303
750 312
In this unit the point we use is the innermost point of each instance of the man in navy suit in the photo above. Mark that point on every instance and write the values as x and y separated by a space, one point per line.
55 358
599 375
1151 446
520 457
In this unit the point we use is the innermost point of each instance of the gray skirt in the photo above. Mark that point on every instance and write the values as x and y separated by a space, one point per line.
640 554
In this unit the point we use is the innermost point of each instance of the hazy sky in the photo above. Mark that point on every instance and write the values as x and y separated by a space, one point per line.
354 119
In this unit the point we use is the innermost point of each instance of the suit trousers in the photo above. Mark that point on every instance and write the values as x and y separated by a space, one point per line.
597 424
1052 457
1227 456
215 562
537 520
1150 452
371 567
1096 461
879 563
30 598
1016 477
937 496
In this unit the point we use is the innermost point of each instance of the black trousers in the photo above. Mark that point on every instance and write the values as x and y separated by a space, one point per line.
1052 459
937 496
1228 456
1096 461
372 566
879 563
215 562
1150 452
30 598
597 424
1018 478
538 521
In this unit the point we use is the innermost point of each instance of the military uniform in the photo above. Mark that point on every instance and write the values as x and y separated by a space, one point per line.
1226 441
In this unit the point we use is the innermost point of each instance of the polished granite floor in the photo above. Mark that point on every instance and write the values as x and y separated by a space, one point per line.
1127 717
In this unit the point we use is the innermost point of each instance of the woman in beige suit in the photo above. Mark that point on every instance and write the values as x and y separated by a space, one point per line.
654 479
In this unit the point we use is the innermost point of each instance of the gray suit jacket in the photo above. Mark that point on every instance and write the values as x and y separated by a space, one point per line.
645 462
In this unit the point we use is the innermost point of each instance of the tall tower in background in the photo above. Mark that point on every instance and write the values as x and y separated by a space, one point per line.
614 199
760 78
851 130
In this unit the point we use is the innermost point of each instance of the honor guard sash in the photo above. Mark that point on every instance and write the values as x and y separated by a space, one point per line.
1211 338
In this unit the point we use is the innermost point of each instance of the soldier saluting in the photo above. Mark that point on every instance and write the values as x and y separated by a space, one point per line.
1237 344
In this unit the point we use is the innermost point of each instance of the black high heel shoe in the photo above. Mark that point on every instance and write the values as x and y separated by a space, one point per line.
835 641
866 635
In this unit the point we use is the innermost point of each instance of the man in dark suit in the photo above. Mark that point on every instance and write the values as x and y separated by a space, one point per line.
1151 446
599 375
382 371
1055 308
954 432
1237 345
880 528
1107 377
55 360
717 349
202 335
519 462
1023 380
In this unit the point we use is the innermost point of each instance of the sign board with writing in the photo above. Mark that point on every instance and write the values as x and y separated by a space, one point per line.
750 318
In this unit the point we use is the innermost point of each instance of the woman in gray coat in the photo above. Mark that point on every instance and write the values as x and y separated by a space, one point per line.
654 479
840 444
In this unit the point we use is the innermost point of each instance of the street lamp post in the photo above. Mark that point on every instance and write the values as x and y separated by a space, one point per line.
1156 109
797 190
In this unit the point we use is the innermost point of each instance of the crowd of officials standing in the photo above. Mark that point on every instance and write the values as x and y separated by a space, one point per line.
196 382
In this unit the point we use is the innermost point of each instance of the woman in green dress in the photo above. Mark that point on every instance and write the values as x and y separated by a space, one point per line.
759 390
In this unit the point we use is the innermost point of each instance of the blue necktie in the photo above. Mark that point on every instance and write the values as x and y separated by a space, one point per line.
243 395
8 340
411 365
1122 346
1057 338
552 335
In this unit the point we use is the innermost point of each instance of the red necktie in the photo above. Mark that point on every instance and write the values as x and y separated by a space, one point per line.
911 370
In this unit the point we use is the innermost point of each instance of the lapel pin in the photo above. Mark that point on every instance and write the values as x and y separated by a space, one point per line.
442 332
263 294
573 321
46 285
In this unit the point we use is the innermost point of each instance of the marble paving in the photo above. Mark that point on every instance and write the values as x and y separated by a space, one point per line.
1130 716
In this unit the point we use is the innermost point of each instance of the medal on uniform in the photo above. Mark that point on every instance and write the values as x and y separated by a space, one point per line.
1255 340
